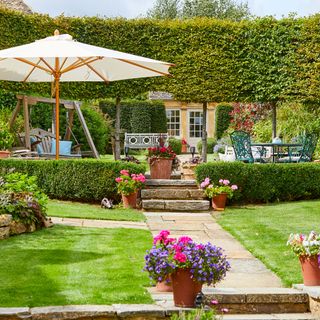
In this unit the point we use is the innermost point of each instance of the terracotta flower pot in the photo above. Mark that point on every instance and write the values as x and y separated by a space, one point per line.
219 202
310 270
184 148
185 289
4 154
130 201
165 286
161 169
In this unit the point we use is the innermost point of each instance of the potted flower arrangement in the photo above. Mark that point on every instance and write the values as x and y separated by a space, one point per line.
128 187
218 193
307 248
6 140
160 161
190 265
188 168
184 145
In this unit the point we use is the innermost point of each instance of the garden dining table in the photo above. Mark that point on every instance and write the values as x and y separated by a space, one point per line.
276 147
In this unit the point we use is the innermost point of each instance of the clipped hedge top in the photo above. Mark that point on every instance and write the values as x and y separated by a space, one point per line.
260 60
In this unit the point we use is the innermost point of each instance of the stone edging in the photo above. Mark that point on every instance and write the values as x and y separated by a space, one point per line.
92 312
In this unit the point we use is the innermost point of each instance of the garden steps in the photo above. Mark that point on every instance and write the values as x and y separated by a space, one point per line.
258 301
173 196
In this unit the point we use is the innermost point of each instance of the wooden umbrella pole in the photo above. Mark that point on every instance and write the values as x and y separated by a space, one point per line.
57 96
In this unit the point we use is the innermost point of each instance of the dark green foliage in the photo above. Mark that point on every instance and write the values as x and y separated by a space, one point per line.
140 120
211 142
223 119
8 100
82 180
266 182
158 118
131 119
175 145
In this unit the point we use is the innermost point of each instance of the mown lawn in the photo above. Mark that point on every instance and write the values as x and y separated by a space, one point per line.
264 231
66 265
68 209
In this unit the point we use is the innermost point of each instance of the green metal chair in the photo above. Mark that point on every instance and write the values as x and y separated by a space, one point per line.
241 143
309 144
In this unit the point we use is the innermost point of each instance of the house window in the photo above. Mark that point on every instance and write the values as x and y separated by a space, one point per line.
196 120
173 122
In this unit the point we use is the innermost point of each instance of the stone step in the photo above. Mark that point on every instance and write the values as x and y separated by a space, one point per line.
174 175
253 301
259 301
171 184
279 316
176 205
167 194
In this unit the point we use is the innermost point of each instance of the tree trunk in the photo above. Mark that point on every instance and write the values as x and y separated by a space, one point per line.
117 149
204 132
274 119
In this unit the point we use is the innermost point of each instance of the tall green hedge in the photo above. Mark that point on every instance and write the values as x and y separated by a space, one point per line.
261 60
138 116
266 182
223 119
79 180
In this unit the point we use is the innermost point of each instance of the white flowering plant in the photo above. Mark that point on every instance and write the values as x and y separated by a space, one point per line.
305 245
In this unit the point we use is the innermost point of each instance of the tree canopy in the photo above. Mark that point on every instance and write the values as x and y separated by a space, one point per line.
184 9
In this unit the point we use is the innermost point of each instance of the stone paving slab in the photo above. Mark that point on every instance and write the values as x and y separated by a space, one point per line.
246 270
90 223
282 316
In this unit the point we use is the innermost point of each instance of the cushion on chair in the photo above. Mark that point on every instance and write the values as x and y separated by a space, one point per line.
65 147
39 146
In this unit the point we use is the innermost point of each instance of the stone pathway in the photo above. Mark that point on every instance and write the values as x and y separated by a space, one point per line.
90 223
246 271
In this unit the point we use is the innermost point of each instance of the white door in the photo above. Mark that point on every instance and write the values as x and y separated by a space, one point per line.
195 121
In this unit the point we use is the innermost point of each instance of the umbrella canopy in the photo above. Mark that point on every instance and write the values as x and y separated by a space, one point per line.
61 59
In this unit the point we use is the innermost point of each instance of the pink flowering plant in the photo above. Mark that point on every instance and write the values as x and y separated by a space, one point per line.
129 183
305 245
211 190
207 263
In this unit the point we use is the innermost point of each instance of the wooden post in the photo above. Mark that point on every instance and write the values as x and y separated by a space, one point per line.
15 114
86 130
117 153
26 122
70 124
204 132
274 119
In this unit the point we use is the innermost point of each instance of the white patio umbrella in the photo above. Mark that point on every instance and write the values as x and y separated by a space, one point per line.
61 59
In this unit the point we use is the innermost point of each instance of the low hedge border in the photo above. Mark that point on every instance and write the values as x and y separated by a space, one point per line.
266 182
79 180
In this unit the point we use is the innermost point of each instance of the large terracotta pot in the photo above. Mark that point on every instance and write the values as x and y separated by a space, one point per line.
310 270
219 202
4 154
161 169
130 201
185 289
165 286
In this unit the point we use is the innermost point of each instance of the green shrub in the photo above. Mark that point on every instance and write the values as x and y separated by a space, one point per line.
211 142
223 119
21 197
266 182
175 144
80 180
